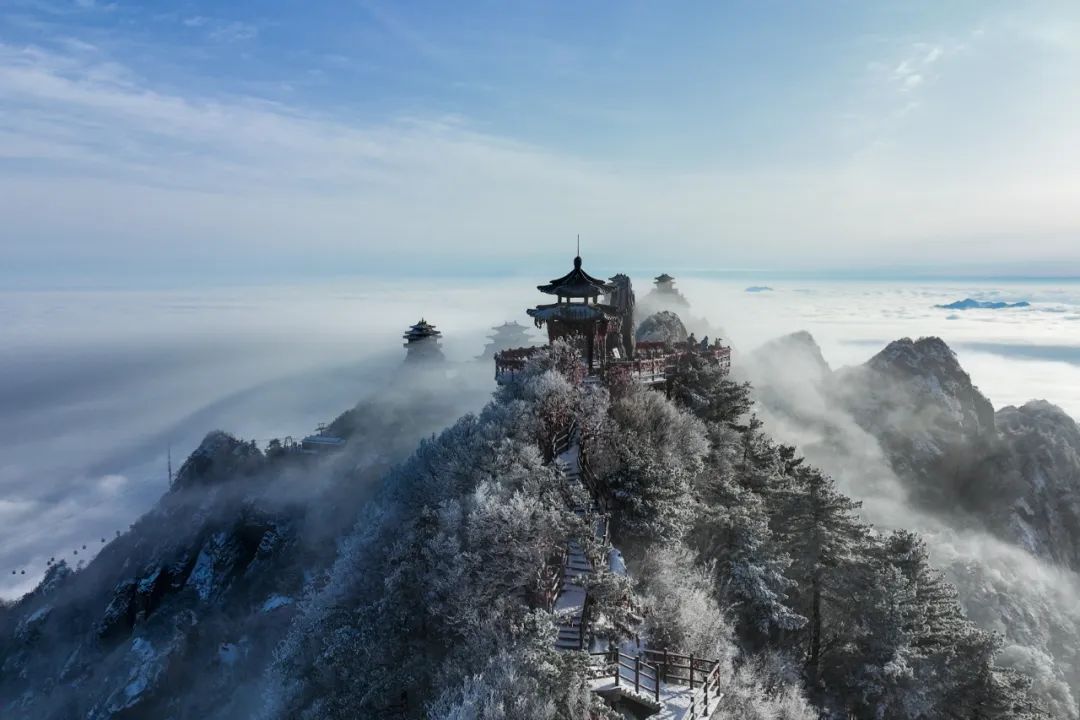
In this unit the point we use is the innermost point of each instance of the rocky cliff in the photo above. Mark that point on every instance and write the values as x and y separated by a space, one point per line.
179 616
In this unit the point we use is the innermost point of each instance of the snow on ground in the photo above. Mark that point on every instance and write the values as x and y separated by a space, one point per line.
275 601
571 600
202 575
615 562
674 700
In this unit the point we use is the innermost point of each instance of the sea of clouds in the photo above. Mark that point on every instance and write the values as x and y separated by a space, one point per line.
97 385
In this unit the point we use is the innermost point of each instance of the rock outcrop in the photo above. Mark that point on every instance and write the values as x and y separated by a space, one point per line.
664 326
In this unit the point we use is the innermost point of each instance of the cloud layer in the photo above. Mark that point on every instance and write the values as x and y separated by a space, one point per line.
96 385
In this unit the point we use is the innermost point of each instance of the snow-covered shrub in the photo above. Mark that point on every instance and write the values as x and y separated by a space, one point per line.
647 456
535 683
681 611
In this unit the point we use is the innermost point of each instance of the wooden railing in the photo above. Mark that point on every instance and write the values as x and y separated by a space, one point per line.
698 673
631 671
647 672
563 440
652 363
509 363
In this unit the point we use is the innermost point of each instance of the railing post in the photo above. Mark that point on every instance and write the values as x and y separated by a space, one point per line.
656 682
618 669
706 696
665 664
637 674
691 671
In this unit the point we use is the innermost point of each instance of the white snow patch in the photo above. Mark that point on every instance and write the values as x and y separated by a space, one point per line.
228 653
616 562
146 585
142 671
275 601
32 621
202 575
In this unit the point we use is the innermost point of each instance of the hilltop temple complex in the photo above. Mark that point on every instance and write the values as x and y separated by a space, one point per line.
422 343
665 294
507 336
598 317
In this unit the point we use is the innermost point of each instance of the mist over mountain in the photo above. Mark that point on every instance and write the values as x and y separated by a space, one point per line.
261 582
993 492
790 434
180 615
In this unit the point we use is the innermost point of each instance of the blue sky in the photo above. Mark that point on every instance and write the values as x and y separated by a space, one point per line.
255 140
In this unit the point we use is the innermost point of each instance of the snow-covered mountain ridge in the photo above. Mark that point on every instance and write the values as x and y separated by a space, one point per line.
397 580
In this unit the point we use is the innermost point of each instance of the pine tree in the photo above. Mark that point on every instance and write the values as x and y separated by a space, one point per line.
824 538
705 390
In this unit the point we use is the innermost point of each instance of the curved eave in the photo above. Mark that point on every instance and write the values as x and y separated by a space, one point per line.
576 283
573 312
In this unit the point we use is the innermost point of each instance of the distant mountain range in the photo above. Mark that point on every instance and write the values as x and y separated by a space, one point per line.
971 304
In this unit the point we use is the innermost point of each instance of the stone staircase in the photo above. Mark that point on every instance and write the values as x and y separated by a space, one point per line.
668 686
570 604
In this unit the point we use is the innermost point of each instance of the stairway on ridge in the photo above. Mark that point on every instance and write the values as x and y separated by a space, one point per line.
570 603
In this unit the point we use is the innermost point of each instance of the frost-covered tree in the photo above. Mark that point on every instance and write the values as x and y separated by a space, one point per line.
684 616
648 455
531 683
704 389
441 574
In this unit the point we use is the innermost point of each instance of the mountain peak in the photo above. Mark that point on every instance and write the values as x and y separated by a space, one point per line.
917 357
800 344
219 456
930 375
1038 412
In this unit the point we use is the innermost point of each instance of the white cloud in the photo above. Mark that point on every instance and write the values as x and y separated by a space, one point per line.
234 31
142 171
111 484
918 63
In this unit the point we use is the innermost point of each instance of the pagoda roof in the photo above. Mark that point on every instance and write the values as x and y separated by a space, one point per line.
577 283
510 326
664 278
421 330
573 312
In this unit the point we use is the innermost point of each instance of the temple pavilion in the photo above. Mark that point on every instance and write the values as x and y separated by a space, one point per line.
665 288
577 312
507 336
422 343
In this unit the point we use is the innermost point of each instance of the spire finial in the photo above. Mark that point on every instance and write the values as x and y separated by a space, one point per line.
579 245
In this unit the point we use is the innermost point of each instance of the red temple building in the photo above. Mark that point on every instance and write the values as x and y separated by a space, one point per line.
598 317
578 313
